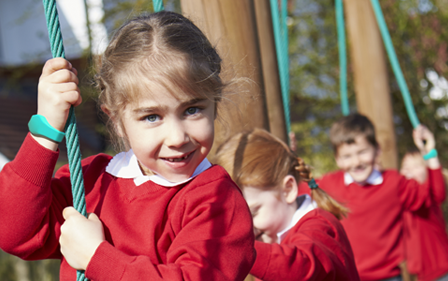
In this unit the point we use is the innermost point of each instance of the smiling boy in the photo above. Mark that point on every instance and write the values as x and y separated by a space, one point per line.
376 199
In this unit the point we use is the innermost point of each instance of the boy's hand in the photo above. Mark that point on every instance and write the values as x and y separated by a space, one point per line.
80 237
57 92
423 139
425 142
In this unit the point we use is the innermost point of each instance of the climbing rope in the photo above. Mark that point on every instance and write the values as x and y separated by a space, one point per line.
281 46
71 131
395 64
158 5
339 9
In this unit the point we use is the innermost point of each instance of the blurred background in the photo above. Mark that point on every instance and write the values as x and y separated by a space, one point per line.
417 31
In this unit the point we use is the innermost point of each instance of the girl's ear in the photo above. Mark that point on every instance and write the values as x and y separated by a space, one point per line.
114 120
290 189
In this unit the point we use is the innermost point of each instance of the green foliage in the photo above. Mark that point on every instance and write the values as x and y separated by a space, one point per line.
314 81
118 11
420 41
12 268
7 272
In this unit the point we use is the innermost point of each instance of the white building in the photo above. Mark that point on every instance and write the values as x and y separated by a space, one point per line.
24 36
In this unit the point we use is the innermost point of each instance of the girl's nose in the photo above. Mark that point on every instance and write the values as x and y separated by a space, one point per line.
176 135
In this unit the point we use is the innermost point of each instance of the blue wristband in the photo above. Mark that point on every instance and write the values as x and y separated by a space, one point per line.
431 154
39 126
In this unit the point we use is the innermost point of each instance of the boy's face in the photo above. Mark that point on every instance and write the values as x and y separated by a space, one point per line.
358 159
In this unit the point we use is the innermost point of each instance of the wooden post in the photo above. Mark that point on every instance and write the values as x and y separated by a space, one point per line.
231 26
270 70
370 76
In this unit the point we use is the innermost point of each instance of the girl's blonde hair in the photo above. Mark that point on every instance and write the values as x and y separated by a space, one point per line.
259 159
164 49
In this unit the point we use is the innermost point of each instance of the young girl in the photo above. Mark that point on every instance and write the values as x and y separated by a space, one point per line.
297 236
159 211
425 237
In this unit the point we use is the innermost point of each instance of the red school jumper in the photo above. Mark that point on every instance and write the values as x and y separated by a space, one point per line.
199 230
374 224
316 248
426 240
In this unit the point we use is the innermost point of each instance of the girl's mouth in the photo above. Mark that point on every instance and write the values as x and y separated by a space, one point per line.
178 159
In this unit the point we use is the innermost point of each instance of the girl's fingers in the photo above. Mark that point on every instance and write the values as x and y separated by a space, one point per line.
54 65
63 76
73 97
66 87
75 71
68 212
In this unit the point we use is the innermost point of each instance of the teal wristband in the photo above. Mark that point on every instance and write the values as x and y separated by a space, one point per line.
431 154
39 126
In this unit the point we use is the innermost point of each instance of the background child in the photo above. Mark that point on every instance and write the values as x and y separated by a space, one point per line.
376 199
296 239
158 211
425 238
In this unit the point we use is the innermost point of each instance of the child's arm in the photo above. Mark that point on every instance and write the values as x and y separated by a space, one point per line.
317 249
31 203
425 142
57 92
416 195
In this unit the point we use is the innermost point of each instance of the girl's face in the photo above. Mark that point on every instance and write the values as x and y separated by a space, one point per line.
413 167
270 212
169 135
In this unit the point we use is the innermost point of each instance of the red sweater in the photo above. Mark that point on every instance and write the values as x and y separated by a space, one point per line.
425 238
316 248
200 230
374 225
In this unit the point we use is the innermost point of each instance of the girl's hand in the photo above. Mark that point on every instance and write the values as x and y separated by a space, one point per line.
57 92
423 139
80 237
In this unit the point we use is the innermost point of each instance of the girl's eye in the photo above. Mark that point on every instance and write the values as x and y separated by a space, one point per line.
192 110
152 118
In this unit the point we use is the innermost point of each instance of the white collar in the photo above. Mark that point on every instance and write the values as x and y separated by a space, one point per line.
307 205
125 165
375 178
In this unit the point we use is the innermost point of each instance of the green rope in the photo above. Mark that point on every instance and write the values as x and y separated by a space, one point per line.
395 64
342 57
158 5
281 46
71 132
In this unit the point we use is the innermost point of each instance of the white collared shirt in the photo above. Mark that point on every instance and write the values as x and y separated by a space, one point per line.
125 165
307 205
375 178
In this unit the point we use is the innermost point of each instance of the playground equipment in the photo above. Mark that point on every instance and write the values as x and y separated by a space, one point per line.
247 55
